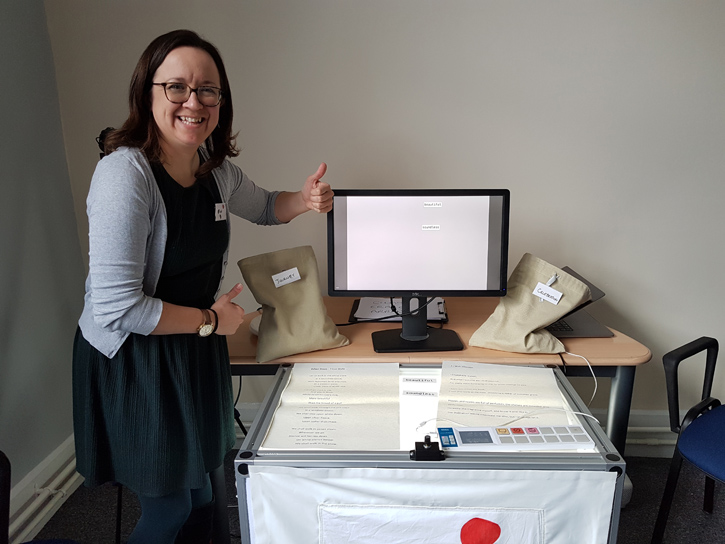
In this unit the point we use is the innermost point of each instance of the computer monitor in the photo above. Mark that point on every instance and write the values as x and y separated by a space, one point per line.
415 244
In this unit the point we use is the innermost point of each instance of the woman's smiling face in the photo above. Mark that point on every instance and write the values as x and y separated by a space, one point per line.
184 127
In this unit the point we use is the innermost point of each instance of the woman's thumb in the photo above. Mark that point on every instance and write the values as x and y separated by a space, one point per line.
234 291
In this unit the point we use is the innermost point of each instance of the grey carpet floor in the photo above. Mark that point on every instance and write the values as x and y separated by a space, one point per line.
88 516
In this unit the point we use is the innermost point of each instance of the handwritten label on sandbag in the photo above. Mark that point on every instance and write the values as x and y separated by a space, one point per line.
544 292
288 276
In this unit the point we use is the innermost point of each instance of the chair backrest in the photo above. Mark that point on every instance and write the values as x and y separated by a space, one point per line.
671 362
101 139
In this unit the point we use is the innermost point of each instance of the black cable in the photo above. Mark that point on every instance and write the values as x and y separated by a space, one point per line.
563 362
373 320
411 312
239 393
387 318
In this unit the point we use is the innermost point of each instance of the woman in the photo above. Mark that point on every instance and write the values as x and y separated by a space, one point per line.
153 405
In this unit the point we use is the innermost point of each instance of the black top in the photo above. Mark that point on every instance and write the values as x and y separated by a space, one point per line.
195 244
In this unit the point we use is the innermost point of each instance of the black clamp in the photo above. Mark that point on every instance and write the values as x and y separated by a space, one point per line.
427 451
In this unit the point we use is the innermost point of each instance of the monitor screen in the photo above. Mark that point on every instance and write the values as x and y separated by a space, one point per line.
418 243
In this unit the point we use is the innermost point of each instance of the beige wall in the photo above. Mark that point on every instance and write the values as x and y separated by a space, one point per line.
604 119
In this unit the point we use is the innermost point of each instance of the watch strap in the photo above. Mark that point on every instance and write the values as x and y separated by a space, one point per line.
216 320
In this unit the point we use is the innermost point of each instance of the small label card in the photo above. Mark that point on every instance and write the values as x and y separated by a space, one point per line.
548 294
220 212
288 276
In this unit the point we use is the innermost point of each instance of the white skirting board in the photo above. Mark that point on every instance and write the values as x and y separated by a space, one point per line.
35 499
648 433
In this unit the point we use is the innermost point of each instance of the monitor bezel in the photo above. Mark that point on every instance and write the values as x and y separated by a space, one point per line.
503 193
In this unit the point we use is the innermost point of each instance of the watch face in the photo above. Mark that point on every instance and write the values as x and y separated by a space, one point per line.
206 330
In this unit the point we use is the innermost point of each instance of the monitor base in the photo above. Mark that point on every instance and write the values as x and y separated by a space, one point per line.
390 341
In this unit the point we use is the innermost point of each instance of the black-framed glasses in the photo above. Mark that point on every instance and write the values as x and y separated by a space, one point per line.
178 93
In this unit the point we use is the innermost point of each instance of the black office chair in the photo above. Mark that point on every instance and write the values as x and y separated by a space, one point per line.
700 435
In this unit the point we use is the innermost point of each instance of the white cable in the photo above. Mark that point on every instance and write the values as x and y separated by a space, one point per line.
435 418
548 410
590 370
540 410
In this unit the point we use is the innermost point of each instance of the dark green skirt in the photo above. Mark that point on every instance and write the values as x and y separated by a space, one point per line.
158 416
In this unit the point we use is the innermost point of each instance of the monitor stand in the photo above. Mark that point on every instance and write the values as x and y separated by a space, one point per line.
415 334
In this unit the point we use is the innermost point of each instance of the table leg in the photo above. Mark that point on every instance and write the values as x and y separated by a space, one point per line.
620 401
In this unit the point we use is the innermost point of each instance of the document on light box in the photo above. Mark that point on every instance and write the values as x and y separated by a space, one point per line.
418 404
338 406
491 395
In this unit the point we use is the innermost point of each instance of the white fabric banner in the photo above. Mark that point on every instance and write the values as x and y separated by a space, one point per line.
429 506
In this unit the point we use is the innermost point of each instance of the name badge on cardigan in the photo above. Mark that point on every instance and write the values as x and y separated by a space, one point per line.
220 212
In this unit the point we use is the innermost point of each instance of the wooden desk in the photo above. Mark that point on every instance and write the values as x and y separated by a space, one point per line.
616 357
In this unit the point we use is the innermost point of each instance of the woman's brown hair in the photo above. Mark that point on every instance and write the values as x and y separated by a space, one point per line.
140 130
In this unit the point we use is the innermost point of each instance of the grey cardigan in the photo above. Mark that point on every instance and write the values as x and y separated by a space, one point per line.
127 238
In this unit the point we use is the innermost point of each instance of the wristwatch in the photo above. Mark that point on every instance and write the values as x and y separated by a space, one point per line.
207 327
